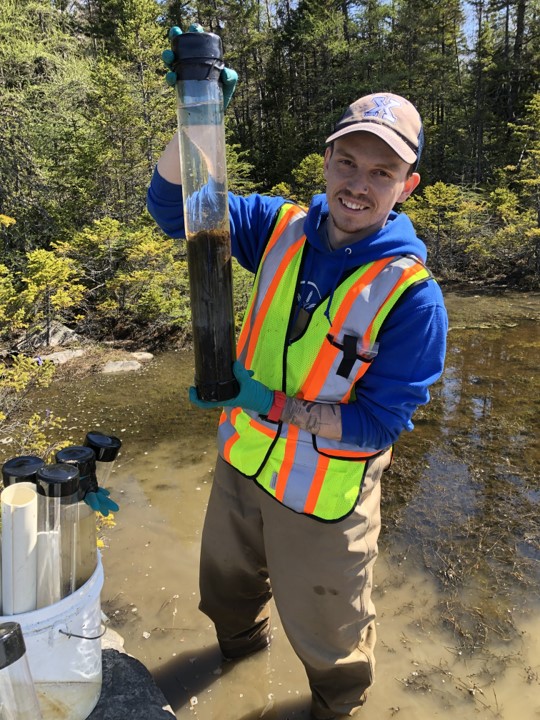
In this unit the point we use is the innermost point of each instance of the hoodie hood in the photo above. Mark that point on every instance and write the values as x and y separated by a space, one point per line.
325 267
397 237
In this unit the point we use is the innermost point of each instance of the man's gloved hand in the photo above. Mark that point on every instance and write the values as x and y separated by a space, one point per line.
100 501
228 77
253 394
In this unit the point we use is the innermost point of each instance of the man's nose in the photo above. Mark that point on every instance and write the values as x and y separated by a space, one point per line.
359 183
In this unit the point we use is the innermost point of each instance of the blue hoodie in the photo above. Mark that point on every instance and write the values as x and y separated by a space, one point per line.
412 341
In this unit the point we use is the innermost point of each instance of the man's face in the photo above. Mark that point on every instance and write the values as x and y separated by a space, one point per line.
365 178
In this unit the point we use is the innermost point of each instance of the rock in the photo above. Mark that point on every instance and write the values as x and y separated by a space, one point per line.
128 691
116 366
142 356
59 336
63 356
111 640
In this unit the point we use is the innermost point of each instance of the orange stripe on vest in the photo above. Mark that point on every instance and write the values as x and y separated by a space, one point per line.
288 461
230 442
316 484
256 329
280 227
351 454
293 210
263 429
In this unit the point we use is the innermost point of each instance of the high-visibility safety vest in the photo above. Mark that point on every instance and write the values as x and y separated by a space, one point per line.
309 473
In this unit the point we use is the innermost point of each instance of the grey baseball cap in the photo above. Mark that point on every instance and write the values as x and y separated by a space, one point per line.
391 117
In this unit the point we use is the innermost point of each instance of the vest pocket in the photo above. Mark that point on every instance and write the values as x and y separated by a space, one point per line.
248 444
354 351
342 451
309 483
335 369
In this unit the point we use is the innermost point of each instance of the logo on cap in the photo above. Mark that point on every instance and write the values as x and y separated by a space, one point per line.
382 108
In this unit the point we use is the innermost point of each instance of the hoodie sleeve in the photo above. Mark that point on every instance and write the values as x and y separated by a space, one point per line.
412 346
164 203
251 218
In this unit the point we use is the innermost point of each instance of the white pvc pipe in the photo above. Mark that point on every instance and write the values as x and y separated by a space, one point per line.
32 486
19 548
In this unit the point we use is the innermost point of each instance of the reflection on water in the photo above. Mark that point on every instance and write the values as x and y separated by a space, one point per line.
473 518
458 576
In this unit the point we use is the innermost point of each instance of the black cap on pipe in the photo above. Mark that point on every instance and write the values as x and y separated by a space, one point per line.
81 456
21 469
60 480
12 646
84 458
105 447
198 56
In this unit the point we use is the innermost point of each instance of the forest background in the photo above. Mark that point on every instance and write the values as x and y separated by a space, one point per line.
85 114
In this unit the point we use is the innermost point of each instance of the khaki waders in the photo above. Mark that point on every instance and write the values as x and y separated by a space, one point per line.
319 574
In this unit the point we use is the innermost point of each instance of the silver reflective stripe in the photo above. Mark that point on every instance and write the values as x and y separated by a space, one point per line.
225 432
300 479
291 234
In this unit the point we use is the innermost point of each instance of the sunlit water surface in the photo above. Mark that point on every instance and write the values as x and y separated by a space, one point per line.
458 574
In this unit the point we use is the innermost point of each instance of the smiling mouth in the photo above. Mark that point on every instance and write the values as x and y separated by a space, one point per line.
350 205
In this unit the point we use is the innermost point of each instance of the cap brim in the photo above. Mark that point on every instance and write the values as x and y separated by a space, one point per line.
387 134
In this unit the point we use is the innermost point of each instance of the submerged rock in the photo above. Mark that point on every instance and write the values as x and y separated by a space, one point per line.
116 366
142 356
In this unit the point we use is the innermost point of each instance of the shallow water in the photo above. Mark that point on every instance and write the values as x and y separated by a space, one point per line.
458 574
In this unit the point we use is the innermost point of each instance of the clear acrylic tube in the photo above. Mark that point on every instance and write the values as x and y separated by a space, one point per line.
201 132
18 698
58 532
84 459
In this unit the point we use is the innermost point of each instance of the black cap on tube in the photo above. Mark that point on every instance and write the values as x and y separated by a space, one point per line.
12 646
198 56
84 458
21 469
60 480
81 456
105 447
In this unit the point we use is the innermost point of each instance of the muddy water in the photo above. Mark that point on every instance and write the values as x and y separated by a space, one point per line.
458 575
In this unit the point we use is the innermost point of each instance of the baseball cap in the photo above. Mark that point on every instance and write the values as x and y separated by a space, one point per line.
390 117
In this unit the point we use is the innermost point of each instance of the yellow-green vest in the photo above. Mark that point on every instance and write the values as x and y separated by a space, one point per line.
308 473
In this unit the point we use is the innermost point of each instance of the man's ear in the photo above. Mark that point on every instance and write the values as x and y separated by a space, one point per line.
327 155
410 185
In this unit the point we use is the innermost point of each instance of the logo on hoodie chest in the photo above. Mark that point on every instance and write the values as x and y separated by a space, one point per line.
309 295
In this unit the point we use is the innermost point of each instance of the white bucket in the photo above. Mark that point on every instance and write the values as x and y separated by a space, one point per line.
63 647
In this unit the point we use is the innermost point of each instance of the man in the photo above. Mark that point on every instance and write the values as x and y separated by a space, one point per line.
344 332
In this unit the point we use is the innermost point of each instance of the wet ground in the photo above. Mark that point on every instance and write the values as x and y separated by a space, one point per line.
457 580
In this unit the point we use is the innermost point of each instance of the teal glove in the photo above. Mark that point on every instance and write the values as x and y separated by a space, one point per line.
253 394
228 77
100 501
